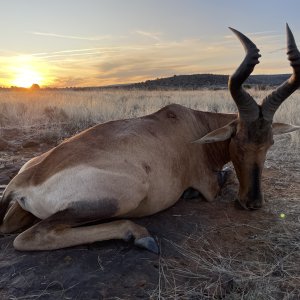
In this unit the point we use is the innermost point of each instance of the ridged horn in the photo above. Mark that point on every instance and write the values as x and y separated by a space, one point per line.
272 102
247 107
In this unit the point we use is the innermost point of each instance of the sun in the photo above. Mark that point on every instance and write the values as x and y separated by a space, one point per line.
26 77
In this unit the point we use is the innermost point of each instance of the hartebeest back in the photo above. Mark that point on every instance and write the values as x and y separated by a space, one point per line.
137 167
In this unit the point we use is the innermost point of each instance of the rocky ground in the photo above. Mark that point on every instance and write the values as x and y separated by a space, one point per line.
208 250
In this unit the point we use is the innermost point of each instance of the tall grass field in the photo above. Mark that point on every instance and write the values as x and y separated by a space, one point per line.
61 110
235 254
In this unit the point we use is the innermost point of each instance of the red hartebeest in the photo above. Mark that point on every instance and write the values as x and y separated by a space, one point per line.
138 167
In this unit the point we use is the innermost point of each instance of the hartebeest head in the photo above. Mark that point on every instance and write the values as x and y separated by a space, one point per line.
251 134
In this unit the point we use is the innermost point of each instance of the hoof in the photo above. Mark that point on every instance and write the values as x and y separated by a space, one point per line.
148 243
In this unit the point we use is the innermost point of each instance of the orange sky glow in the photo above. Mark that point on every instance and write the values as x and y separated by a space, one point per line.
95 43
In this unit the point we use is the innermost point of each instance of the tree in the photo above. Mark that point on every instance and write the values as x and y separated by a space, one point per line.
35 86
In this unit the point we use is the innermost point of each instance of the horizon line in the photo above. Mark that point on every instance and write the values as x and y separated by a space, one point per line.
38 86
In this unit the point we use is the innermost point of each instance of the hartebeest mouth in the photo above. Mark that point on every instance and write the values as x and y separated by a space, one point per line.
134 168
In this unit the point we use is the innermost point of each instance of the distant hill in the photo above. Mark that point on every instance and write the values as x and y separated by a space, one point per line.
210 81
185 82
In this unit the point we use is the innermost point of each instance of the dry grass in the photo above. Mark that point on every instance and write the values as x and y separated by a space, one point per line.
62 113
255 258
268 268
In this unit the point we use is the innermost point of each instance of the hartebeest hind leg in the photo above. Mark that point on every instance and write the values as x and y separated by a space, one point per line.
16 218
58 232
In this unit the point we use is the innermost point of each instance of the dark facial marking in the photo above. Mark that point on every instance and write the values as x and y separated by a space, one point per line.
255 191
259 131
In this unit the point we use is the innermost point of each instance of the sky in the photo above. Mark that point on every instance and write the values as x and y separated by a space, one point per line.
67 43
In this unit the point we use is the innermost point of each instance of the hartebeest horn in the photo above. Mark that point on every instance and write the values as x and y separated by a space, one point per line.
248 108
272 102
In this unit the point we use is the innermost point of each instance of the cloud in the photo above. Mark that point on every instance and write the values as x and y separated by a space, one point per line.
64 52
165 59
138 62
73 37
127 63
278 50
151 35
69 81
138 59
264 34
67 56
4 75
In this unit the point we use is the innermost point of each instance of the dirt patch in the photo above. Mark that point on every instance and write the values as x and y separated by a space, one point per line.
208 250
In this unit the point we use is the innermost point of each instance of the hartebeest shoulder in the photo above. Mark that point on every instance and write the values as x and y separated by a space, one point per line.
137 167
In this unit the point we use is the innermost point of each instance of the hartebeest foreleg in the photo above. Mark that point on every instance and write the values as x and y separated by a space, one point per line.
55 233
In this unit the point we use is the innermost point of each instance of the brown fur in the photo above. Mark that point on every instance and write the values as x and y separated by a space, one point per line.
153 154
84 147
137 167
147 163
248 149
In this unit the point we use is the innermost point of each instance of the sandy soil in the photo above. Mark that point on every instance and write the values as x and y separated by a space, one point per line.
208 250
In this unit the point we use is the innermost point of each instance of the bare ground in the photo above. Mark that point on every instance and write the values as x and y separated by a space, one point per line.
208 250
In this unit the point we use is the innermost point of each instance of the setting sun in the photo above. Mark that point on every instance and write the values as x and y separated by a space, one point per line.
25 77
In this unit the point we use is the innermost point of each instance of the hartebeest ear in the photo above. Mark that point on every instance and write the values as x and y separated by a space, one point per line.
218 135
280 128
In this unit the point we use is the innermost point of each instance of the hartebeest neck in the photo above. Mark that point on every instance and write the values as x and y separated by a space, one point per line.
216 153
